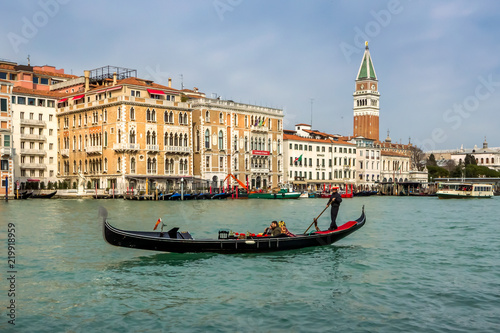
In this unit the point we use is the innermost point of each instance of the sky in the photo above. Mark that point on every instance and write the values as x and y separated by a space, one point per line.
437 62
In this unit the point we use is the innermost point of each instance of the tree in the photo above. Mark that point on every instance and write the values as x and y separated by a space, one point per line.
49 185
42 186
417 157
431 161
450 165
437 172
469 159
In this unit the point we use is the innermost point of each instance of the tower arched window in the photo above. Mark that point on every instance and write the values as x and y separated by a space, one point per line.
132 113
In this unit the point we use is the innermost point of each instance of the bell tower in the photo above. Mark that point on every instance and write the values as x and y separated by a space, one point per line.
366 100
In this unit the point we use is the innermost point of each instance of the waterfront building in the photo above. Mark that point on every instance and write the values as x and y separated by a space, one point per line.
315 160
121 132
6 151
368 163
34 132
239 139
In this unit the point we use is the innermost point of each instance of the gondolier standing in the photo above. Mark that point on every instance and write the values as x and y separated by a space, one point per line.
335 200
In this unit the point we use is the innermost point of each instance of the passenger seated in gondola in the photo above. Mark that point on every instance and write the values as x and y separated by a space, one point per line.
284 229
273 229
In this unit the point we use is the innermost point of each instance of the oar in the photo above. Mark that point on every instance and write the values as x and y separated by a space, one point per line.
316 219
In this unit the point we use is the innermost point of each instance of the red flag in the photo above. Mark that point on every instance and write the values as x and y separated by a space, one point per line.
157 222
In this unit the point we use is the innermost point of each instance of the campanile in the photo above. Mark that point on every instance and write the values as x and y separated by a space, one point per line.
366 100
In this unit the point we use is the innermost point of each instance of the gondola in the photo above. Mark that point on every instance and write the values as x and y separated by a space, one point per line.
181 242
43 195
220 196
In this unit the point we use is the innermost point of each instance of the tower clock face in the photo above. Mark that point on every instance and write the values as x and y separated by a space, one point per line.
362 86
373 87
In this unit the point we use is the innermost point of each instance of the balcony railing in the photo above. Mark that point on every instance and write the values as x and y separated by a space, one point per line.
5 151
33 152
33 166
126 146
152 147
259 170
258 128
33 137
94 149
175 149
33 122
64 152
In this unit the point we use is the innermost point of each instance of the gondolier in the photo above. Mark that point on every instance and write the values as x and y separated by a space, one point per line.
334 201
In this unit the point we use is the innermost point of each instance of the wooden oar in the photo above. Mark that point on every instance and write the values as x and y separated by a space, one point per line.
316 219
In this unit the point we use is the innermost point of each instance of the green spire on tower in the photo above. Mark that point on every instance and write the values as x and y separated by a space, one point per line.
366 70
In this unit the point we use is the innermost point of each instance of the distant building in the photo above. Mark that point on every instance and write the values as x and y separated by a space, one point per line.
34 127
315 160
239 139
119 131
6 151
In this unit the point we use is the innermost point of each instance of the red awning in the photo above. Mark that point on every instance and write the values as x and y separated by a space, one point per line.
79 97
155 92
33 180
62 100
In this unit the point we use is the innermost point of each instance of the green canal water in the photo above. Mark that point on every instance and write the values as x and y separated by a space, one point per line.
418 265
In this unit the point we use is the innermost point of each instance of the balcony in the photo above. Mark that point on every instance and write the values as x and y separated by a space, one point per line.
126 146
93 150
259 170
259 129
64 152
39 152
174 149
34 137
33 166
153 148
33 122
5 151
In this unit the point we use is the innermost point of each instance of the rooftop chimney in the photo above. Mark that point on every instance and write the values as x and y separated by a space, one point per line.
114 78
170 82
87 80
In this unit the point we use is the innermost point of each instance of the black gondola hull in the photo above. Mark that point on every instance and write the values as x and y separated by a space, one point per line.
157 241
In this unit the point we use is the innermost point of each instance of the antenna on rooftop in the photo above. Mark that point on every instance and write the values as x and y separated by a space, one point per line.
312 100
182 82
28 59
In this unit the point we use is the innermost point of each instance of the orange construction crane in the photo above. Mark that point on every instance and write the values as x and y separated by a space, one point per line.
239 182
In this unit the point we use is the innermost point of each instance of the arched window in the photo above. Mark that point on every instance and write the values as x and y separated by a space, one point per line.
132 136
148 115
153 165
207 116
153 138
105 164
165 116
185 140
236 142
167 165
105 139
269 145
153 115
176 140
181 166
171 117
207 139
246 121
186 119
132 113
246 143
119 139
149 165
279 146
171 139
165 139
221 118
197 140
118 164
148 138
221 140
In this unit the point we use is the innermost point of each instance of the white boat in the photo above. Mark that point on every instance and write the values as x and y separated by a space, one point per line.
464 190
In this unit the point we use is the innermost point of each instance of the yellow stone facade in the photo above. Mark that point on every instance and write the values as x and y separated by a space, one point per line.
133 134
